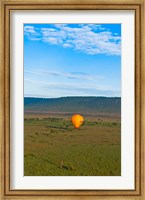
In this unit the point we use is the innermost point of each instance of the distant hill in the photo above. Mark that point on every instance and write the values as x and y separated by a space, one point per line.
110 105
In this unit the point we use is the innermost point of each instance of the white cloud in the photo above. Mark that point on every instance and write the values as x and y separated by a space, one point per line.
32 33
71 89
73 75
29 29
72 86
87 38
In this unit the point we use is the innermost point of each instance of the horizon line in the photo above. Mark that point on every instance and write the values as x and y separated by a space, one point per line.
70 96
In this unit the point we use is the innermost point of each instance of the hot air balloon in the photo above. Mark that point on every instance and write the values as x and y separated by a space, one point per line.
77 120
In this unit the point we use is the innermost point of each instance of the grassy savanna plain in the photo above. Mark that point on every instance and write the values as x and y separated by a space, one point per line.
52 147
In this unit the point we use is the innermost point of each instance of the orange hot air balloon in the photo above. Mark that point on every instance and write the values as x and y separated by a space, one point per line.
77 120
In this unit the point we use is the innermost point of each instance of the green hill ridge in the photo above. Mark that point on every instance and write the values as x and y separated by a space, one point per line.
110 105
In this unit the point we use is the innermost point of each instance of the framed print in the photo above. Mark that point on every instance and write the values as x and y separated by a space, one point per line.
72 103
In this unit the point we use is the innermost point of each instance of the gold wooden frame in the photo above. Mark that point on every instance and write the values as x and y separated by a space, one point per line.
8 5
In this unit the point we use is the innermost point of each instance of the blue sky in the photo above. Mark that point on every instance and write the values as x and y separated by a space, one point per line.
72 60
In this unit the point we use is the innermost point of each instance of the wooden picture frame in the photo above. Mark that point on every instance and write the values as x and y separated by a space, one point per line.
6 7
